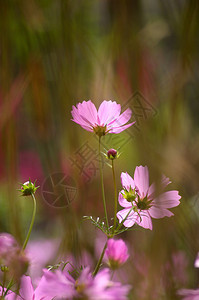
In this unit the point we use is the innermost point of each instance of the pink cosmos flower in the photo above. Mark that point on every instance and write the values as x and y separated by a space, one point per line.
60 285
116 253
100 287
106 120
140 201
189 294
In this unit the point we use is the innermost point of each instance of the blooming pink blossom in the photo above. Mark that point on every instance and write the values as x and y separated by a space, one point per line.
140 201
106 120
116 253
60 284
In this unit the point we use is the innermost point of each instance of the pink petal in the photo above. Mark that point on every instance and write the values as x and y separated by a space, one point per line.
127 181
55 284
165 181
167 200
196 263
88 111
12 296
141 179
121 215
157 213
108 111
144 220
118 129
26 289
122 119
152 189
122 201
189 294
130 222
79 120
84 126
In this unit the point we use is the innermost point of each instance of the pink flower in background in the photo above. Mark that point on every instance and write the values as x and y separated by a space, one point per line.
40 252
10 253
60 284
106 120
30 166
100 287
189 294
140 201
196 263
55 285
116 253
8 245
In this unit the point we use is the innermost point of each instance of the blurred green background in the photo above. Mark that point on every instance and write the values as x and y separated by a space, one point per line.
142 54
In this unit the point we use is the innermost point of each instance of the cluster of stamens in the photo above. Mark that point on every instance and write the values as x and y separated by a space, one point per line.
132 195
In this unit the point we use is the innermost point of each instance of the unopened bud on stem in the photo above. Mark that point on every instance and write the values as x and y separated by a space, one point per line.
112 154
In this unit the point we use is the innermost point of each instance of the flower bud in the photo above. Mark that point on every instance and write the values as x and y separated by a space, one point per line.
117 253
28 188
112 154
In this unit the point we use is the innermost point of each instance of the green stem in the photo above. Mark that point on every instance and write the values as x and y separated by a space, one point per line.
3 283
8 287
102 183
32 222
100 260
115 190
27 238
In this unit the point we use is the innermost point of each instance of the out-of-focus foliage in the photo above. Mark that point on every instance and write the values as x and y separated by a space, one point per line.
143 54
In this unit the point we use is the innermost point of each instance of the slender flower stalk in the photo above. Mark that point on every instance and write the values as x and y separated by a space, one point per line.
102 183
32 222
100 260
27 189
115 191
8 287
4 280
